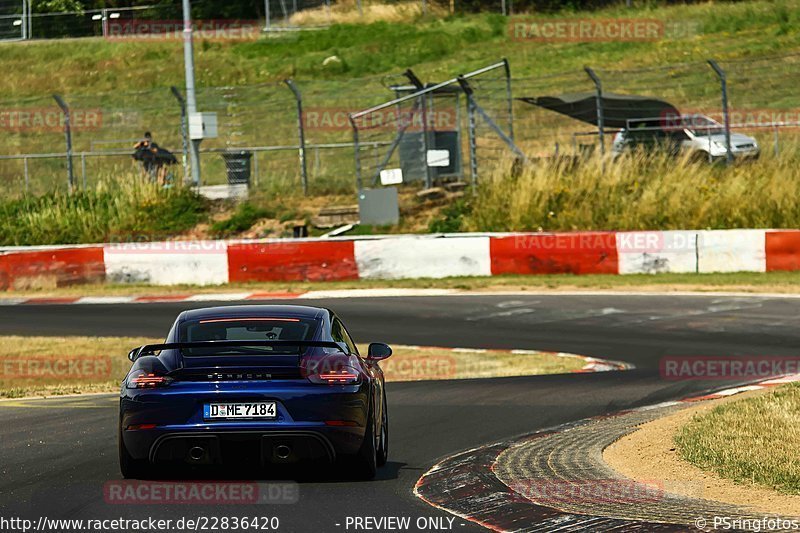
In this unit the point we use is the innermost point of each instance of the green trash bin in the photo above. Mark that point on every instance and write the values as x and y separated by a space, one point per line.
237 166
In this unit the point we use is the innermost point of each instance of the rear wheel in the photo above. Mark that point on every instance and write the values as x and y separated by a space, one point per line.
366 461
383 441
129 467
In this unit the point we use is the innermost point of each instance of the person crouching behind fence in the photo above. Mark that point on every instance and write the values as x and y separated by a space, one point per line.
154 159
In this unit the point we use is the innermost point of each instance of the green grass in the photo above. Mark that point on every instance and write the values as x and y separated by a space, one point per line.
243 218
131 210
751 441
433 46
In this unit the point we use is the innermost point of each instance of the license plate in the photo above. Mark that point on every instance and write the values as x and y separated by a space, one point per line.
257 410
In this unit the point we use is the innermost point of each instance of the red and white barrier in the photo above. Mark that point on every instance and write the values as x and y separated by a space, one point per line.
405 256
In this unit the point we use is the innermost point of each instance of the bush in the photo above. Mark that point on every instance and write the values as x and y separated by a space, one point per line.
640 192
241 220
113 211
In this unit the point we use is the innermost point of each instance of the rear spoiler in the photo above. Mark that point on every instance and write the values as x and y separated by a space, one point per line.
150 349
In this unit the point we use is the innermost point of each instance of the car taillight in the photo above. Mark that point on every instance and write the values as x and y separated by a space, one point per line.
342 376
144 380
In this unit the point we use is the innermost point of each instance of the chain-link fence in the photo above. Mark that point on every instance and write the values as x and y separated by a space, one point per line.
337 136
689 107
420 135
13 20
296 135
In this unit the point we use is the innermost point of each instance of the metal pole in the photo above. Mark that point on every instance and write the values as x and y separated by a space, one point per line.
255 168
473 147
83 169
510 101
360 9
266 15
777 149
30 19
723 80
191 102
300 134
27 177
425 7
599 100
104 22
184 134
68 134
24 20
503 6
359 183
425 141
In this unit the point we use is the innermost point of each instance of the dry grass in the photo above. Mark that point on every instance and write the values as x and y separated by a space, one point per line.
740 282
640 192
346 12
751 441
49 366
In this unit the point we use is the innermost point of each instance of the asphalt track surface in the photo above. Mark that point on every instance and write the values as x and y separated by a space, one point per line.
57 455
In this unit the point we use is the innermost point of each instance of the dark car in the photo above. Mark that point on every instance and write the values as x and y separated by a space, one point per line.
254 385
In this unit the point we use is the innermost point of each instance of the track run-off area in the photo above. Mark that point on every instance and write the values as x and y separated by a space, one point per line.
60 454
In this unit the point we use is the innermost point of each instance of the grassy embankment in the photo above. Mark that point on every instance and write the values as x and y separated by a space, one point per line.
752 441
654 193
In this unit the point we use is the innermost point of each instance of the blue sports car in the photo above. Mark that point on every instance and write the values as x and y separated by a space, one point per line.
254 385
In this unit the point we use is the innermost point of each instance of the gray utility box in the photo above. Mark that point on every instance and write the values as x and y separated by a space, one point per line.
378 207
413 158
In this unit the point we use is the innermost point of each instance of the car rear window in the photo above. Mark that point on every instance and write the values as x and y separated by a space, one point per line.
247 329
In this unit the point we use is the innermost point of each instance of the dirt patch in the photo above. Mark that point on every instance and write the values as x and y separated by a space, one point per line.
650 453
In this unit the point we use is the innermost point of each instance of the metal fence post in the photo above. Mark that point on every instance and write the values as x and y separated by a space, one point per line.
599 98
68 134
723 80
83 169
510 99
184 134
266 15
27 176
425 141
301 134
356 152
473 147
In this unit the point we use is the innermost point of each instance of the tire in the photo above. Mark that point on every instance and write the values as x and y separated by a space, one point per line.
383 441
129 467
366 461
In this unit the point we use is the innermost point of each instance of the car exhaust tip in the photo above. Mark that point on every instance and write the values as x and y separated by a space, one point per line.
197 453
282 451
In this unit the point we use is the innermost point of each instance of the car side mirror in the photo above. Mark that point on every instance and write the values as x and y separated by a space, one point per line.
378 351
132 354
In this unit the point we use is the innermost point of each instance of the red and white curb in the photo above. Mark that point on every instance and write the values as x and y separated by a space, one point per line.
465 485
770 382
401 257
